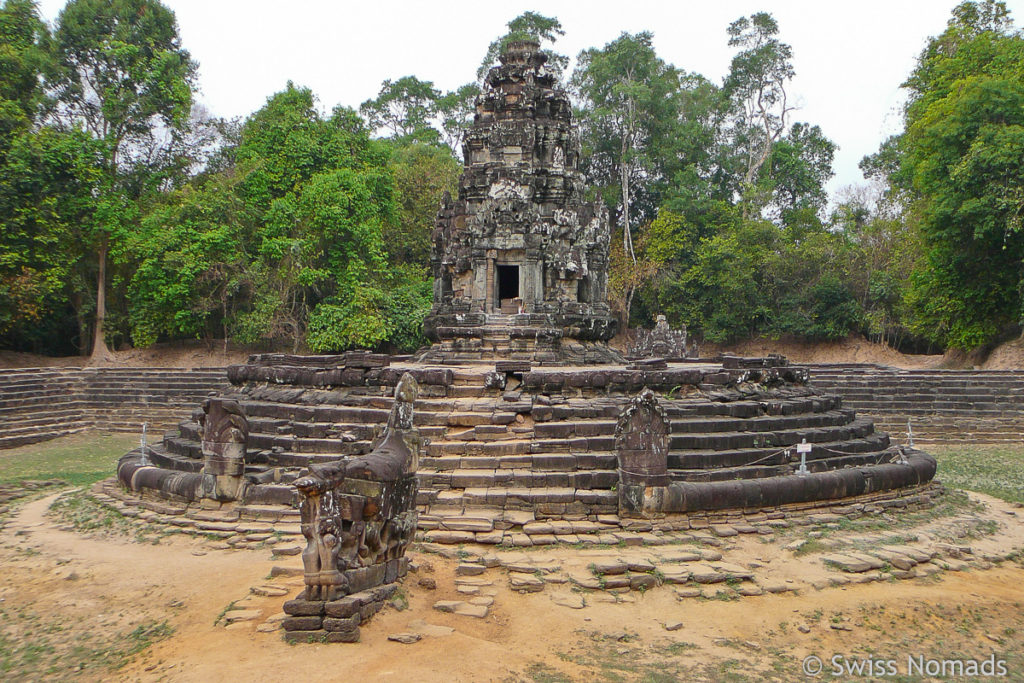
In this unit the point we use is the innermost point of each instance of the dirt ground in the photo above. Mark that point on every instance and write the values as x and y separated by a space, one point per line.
178 355
87 601
850 350
1007 356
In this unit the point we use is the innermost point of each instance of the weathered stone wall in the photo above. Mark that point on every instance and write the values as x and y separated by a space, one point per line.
610 529
37 404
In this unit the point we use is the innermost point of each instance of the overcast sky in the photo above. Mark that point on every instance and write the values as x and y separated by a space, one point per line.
850 57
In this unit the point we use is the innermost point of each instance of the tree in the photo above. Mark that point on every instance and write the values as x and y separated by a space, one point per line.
756 86
800 165
193 273
405 107
526 26
456 109
884 251
45 193
46 197
322 192
959 164
422 174
23 62
122 76
629 100
627 275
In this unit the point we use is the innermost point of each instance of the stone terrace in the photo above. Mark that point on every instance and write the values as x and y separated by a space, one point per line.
510 449
37 404
943 406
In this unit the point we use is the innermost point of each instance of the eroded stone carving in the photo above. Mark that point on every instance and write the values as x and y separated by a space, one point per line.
641 441
661 342
641 444
224 430
358 516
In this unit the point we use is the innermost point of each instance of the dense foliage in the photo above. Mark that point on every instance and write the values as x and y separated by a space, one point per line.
129 216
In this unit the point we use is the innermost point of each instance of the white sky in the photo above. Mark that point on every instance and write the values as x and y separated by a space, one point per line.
850 57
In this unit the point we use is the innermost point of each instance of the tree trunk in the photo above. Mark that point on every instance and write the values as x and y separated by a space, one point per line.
627 237
630 290
99 344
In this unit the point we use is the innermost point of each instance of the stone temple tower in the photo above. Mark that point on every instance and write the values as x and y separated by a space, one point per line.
520 260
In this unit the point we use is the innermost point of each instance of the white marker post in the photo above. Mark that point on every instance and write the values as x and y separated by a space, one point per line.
803 448
142 445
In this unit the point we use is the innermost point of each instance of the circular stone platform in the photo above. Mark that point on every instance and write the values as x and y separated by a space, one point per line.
517 455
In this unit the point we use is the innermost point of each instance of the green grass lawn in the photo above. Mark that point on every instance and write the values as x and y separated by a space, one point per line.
995 470
90 456
78 459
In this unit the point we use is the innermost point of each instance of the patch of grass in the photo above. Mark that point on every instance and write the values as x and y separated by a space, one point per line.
230 606
542 673
727 596
87 515
79 459
679 648
400 601
32 648
811 545
994 470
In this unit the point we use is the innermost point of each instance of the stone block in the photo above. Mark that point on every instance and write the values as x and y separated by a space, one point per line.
343 636
309 623
304 608
342 608
341 624
312 636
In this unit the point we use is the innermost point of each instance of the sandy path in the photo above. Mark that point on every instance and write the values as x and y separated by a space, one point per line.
117 584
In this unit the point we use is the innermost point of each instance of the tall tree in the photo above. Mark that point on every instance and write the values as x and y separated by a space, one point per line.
46 193
756 85
23 61
123 77
456 109
629 102
322 192
960 162
405 108
423 173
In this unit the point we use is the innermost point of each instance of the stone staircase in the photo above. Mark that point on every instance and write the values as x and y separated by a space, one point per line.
497 454
948 406
37 404
522 337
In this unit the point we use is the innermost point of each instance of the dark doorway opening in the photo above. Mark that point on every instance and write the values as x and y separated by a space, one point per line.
508 283
583 290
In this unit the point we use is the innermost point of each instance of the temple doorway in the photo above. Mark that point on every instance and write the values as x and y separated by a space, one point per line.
508 288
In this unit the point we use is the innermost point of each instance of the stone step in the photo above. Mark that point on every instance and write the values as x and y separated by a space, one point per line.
172 461
43 435
734 440
917 410
21 430
551 501
546 462
319 413
518 478
33 418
